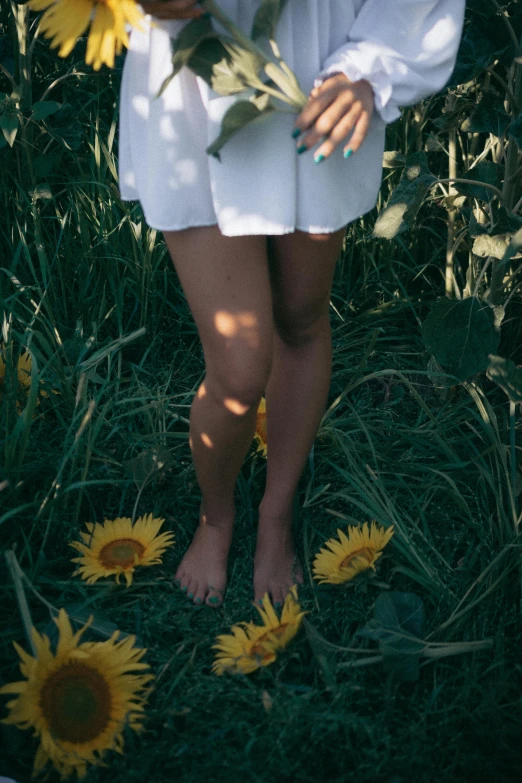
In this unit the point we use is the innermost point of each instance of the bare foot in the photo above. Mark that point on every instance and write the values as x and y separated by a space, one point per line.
202 574
276 567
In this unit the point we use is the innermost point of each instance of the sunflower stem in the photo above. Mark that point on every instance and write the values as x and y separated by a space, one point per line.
16 575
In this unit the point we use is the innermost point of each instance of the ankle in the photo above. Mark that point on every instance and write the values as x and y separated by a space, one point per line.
217 515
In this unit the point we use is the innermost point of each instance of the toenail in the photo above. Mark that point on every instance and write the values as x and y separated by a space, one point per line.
214 599
198 600
190 595
260 602
184 589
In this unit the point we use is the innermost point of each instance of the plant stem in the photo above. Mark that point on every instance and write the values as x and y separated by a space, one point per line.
16 575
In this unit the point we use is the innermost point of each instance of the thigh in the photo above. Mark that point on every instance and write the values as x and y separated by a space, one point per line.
301 268
227 286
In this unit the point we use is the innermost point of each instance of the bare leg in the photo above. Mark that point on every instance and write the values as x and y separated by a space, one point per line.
226 282
302 268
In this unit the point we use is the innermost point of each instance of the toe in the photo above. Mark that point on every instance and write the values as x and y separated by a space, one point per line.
192 589
200 593
178 576
185 581
214 598
276 596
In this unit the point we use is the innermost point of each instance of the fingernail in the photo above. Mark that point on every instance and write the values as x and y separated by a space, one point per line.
214 599
296 132
301 149
348 153
198 600
318 158
190 595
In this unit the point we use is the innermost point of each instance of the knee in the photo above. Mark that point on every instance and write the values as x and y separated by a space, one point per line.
299 328
238 389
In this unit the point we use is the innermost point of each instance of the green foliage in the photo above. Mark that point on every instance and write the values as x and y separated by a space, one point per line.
90 290
461 335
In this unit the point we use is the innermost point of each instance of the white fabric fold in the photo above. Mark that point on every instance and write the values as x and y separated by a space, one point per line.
406 50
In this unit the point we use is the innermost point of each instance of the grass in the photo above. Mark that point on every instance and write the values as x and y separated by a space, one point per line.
91 290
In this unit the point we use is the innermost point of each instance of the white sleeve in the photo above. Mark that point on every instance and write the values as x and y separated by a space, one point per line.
406 49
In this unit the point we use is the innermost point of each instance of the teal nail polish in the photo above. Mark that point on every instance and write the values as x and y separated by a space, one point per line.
295 133
348 153
301 149
198 600
260 602
214 599
318 158
190 595
184 589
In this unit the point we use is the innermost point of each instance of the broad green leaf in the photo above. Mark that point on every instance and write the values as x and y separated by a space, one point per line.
185 44
485 171
495 246
406 199
506 375
9 126
43 109
239 115
147 464
397 626
488 116
225 67
461 334
392 159
513 248
266 18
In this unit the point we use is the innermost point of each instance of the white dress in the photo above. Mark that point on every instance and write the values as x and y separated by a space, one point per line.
406 49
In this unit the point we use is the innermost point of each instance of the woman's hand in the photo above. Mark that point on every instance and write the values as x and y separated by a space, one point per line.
172 9
335 108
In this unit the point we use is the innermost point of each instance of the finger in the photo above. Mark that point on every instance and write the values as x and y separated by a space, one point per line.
314 108
338 135
360 131
328 120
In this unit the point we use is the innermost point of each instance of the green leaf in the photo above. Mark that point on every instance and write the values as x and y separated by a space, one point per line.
323 651
266 18
147 464
43 109
225 67
406 199
485 171
507 375
185 44
9 126
397 626
488 116
237 116
461 335
486 245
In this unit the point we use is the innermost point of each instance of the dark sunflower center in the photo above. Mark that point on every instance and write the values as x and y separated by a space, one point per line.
76 703
364 551
259 647
121 552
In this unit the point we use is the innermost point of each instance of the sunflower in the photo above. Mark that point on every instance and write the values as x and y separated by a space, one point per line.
79 700
253 646
351 554
260 434
66 20
23 370
118 546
